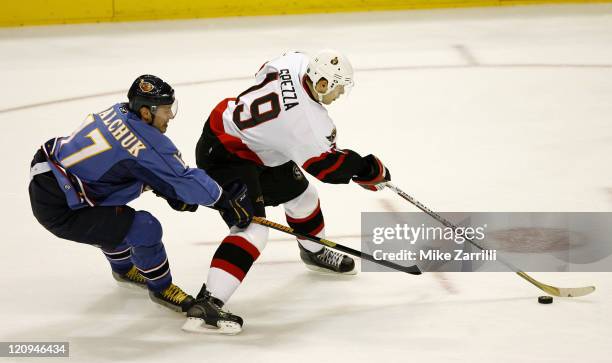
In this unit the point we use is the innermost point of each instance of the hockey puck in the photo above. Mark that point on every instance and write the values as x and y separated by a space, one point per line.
545 299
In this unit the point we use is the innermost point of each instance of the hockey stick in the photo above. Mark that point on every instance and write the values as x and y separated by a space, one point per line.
552 290
413 270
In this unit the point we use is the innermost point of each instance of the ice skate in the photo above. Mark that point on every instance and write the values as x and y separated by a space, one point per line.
328 261
131 279
173 298
207 316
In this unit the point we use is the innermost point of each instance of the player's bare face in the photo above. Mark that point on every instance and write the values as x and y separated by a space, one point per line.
163 115
333 95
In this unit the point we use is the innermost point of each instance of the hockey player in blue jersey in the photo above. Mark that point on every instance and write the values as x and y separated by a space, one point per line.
80 185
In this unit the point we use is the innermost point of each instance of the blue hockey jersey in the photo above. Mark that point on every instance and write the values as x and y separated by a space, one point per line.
114 155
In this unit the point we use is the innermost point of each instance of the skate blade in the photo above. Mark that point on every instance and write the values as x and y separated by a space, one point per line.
196 325
163 305
129 286
325 271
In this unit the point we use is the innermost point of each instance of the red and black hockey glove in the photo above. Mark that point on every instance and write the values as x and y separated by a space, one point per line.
375 174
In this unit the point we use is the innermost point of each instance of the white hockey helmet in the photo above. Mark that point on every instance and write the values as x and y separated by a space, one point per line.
334 67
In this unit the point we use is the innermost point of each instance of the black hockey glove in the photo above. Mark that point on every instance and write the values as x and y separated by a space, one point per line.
178 205
182 206
374 176
234 205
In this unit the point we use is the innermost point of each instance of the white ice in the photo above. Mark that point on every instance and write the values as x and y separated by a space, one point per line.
497 109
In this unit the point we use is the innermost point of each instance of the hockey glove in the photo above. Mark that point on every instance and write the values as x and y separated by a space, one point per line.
182 206
178 205
374 176
234 205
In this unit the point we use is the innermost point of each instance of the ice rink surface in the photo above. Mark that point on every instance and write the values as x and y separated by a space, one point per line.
497 109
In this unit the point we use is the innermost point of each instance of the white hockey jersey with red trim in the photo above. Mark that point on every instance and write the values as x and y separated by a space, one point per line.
277 120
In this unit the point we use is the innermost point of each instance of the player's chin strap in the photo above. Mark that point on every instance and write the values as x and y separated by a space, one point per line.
552 290
413 270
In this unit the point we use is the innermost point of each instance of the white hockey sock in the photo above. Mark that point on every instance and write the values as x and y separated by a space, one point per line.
221 284
234 258
304 215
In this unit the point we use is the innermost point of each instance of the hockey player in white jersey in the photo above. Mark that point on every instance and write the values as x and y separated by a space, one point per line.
263 137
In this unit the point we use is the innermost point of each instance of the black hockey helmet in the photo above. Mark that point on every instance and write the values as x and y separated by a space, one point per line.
150 91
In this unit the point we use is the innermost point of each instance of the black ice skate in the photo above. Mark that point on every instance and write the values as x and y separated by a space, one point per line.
173 298
207 316
328 261
131 279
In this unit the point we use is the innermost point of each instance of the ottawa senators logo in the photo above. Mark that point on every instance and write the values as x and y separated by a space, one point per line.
334 61
297 174
145 86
